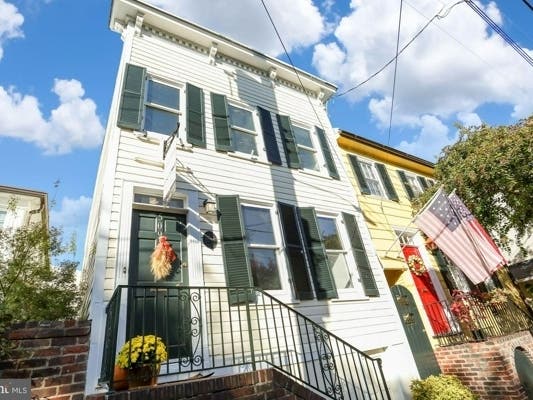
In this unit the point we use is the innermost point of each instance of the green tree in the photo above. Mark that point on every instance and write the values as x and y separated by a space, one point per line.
491 168
30 287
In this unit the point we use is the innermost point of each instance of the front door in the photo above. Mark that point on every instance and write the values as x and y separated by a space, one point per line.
159 307
425 359
428 295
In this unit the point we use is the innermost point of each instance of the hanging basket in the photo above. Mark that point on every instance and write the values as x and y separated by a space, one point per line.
416 265
162 259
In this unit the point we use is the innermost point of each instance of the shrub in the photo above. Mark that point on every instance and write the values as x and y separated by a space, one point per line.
441 387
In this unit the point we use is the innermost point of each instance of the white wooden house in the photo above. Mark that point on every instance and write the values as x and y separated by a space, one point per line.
230 154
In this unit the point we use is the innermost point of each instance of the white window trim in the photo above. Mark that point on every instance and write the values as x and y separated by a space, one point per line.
383 192
414 183
180 86
318 156
356 292
279 251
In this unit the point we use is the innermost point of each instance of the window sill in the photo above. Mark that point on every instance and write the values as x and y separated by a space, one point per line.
248 157
313 173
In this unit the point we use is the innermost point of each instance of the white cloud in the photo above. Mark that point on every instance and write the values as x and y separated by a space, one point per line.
10 23
73 124
454 66
469 119
430 140
298 21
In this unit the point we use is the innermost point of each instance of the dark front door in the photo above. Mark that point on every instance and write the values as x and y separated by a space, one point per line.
159 307
425 359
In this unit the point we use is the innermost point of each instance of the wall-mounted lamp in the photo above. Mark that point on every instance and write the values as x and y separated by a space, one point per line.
210 206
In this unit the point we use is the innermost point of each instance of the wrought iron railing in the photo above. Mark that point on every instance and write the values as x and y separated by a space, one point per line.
468 319
205 328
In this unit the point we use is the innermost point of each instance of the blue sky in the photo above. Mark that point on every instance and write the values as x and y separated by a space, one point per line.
58 61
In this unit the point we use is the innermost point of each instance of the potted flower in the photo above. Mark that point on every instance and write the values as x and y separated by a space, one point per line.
142 356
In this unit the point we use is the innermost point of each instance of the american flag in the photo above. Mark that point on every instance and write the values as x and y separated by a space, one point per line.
441 224
488 250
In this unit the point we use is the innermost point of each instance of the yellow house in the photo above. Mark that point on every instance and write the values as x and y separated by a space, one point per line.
385 180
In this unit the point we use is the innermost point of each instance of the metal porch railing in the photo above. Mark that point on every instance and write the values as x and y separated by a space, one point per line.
206 328
473 320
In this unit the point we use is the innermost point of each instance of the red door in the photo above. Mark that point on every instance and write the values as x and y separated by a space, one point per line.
428 295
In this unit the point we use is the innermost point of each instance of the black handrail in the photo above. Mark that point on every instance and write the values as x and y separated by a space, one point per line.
205 328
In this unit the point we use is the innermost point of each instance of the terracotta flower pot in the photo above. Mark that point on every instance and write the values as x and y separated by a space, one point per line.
120 378
144 375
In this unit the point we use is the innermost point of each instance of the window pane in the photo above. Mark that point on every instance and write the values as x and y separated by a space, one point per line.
264 268
302 136
258 226
413 182
164 95
371 179
328 232
243 142
340 272
241 118
2 218
156 120
156 200
308 159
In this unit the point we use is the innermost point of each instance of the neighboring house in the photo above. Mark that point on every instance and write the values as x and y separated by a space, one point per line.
250 191
21 207
385 181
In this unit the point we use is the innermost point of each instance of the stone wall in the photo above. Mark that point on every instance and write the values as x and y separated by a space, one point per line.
488 367
53 354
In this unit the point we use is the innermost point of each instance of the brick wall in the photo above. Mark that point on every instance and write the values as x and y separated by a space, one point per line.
258 385
53 354
488 368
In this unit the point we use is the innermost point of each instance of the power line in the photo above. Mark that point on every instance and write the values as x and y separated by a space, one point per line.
527 4
395 70
436 16
291 63
500 31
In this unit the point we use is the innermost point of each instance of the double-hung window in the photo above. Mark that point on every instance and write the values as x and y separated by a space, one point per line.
372 178
2 218
243 134
415 185
305 148
335 253
162 103
262 248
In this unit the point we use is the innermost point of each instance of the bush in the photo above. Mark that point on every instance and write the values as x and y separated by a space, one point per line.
441 387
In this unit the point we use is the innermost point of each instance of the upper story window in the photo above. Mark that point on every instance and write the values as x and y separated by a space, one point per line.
243 133
161 113
372 178
335 253
414 185
305 148
262 247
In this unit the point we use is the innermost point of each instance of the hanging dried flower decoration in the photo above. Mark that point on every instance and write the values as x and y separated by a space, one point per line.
416 265
162 258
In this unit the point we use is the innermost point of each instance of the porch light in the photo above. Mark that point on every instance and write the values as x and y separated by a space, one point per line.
210 206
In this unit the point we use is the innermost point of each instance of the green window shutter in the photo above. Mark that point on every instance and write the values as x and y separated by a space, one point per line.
385 178
195 116
423 182
269 136
232 240
289 144
221 122
328 156
363 186
407 186
295 252
361 259
318 260
131 103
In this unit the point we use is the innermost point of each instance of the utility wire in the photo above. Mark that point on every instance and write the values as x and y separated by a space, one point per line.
436 16
500 31
395 70
528 4
292 64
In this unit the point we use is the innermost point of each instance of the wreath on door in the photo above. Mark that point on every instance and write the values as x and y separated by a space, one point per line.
416 265
162 259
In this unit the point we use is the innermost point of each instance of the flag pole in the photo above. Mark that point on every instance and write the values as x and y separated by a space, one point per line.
413 219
